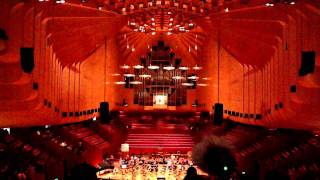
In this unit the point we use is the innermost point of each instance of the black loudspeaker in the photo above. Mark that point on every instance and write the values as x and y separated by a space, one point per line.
172 54
177 63
308 60
104 112
143 62
160 43
127 80
27 59
218 114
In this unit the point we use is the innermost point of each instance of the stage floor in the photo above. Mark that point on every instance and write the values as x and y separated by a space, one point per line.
168 167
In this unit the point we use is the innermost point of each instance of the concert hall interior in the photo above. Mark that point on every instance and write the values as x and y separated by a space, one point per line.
159 89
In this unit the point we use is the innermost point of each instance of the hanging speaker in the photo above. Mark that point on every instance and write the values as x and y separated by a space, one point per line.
172 55
308 60
104 112
160 43
27 59
143 62
177 63
126 80
218 114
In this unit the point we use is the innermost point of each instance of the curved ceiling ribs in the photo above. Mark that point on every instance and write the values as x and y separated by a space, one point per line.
179 42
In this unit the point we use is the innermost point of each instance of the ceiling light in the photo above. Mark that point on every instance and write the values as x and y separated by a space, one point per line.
120 82
129 75
135 82
197 68
145 76
169 33
202 84
125 66
153 33
292 3
168 68
183 68
152 19
226 10
193 77
171 19
153 67
187 84
178 77
138 67
115 74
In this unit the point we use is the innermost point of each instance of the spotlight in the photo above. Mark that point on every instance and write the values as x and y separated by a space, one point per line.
60 1
269 4
225 168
